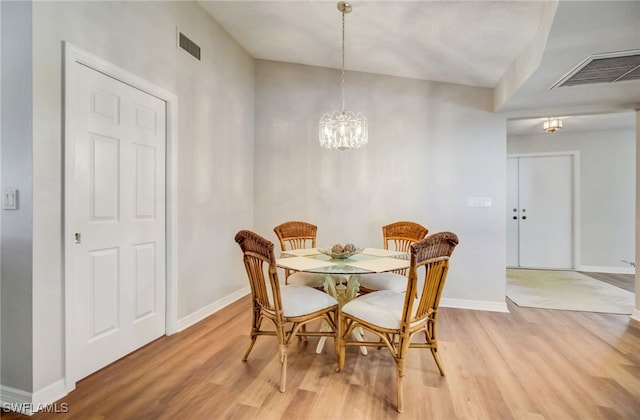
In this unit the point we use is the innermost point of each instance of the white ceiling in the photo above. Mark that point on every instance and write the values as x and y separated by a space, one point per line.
465 42
456 41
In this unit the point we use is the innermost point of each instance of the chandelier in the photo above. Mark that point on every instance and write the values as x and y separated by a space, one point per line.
551 125
343 129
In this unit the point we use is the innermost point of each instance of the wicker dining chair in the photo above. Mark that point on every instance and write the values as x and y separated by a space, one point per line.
299 235
397 236
290 307
395 318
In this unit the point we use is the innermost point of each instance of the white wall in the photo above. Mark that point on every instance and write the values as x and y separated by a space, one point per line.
607 191
215 159
431 145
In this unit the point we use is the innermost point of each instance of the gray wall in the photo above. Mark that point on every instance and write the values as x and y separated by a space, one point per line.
215 159
636 311
607 191
431 145
17 233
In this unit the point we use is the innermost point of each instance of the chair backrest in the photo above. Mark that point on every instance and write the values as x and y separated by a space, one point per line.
403 234
258 258
296 235
433 254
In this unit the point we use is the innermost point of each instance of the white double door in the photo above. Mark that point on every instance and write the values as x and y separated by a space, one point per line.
540 212
116 207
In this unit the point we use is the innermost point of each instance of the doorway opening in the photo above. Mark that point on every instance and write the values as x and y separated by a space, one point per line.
604 145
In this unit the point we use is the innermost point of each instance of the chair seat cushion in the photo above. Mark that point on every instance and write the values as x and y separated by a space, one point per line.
382 308
310 279
384 281
298 300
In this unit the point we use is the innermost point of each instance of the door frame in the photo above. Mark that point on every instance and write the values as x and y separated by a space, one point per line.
575 154
70 56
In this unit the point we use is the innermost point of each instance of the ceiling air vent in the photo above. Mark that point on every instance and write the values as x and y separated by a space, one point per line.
604 68
189 46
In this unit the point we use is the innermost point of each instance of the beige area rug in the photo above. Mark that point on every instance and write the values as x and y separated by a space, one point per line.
566 290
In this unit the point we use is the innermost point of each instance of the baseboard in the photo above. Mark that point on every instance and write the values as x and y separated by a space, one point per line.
210 309
28 403
50 394
476 305
17 400
635 315
604 269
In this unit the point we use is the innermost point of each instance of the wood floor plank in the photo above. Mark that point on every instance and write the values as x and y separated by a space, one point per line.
526 364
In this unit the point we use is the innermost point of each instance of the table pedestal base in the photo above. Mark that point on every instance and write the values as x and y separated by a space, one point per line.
342 294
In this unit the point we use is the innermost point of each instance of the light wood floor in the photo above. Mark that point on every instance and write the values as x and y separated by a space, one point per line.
527 364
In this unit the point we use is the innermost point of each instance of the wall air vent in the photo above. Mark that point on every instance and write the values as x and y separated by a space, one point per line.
189 46
604 68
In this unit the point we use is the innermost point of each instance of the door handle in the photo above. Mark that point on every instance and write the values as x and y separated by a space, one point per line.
524 217
515 217
78 238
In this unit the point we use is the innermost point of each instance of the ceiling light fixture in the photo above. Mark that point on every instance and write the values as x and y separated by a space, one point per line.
343 129
551 125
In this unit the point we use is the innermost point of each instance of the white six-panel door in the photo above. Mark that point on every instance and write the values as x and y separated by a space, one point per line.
540 233
513 214
118 219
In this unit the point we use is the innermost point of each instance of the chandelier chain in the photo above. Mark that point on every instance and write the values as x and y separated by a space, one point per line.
342 83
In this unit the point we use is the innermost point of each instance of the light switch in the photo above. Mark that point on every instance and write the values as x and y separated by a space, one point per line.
478 201
9 199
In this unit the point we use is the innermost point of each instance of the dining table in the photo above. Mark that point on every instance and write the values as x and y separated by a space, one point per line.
347 271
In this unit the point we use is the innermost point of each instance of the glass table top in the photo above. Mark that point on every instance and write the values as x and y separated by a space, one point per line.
340 266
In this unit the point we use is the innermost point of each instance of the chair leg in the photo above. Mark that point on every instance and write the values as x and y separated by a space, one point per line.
399 384
338 343
255 329
430 335
335 317
253 341
283 368
303 331
392 340
340 347
434 352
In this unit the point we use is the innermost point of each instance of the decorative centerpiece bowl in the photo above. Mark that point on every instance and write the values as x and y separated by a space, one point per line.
341 252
